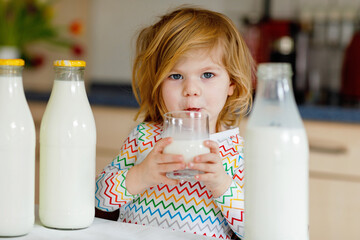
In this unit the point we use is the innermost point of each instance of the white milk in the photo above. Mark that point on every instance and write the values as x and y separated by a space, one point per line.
188 148
276 157
17 159
67 158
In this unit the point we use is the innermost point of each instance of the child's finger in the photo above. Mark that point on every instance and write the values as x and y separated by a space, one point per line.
169 181
204 167
207 158
170 167
205 177
212 145
171 158
160 145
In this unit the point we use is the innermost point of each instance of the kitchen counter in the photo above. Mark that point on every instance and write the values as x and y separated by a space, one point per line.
333 114
106 229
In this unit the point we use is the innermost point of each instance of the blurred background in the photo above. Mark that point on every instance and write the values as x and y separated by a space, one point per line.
320 38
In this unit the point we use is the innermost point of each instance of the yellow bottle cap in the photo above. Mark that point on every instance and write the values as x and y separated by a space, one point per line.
69 63
12 62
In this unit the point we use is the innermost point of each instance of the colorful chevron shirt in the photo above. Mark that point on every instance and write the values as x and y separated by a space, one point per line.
188 206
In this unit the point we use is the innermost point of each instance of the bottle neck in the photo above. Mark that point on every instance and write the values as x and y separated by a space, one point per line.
274 105
275 90
11 85
68 84
11 71
69 74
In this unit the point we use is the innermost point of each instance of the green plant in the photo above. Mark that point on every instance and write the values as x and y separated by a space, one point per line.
24 22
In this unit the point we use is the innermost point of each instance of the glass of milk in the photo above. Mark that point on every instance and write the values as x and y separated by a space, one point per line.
189 130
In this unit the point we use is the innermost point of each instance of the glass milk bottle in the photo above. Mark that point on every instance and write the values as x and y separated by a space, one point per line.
17 152
276 161
67 152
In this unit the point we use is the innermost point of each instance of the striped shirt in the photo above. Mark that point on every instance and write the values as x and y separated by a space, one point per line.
188 206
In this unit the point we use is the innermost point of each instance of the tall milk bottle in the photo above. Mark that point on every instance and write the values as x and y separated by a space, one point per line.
67 152
17 152
276 161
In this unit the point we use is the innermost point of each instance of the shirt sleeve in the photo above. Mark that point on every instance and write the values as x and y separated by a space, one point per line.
231 202
111 192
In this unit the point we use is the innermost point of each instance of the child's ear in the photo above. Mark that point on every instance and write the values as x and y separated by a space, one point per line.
231 88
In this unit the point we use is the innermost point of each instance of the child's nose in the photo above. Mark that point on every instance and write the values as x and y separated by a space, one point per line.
191 88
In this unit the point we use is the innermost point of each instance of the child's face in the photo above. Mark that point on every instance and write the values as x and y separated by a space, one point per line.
198 82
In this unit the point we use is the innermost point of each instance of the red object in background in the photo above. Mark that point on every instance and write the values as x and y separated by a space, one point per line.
76 27
37 61
260 37
77 50
350 85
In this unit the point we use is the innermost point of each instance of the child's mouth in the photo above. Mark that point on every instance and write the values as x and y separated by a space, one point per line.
193 109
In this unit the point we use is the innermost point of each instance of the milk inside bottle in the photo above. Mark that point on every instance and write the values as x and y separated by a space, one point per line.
67 152
276 161
17 152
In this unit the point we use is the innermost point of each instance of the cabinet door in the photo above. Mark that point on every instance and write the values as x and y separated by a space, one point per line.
334 208
334 147
113 125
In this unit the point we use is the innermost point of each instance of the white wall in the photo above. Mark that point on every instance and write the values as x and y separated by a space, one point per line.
114 23
291 8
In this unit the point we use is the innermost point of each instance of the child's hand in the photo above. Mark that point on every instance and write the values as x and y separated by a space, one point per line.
214 177
152 171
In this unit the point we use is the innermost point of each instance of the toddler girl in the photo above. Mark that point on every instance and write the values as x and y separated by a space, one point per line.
191 59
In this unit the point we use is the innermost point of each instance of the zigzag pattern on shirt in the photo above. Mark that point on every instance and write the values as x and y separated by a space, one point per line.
148 127
227 151
230 157
178 198
113 187
150 134
237 204
233 207
175 225
121 188
127 156
233 219
140 129
188 206
228 194
154 130
105 201
116 190
172 206
195 186
230 165
99 198
240 179
238 142
130 144
124 163
168 213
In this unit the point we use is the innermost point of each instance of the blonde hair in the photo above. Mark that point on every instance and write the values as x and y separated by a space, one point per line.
159 46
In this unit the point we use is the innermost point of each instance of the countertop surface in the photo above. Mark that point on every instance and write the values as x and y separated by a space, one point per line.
106 229
122 96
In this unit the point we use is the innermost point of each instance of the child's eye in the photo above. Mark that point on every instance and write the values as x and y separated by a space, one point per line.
207 75
176 76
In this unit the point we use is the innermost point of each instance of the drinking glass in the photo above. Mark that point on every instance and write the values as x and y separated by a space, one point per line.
189 130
